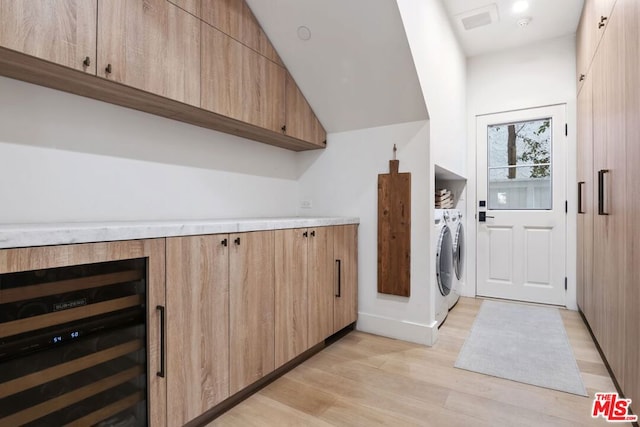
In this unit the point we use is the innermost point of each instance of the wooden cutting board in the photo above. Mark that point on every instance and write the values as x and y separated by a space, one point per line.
394 231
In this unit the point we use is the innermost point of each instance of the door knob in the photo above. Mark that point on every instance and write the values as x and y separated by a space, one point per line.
482 216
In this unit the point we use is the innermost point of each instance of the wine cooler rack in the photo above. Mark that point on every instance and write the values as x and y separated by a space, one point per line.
73 346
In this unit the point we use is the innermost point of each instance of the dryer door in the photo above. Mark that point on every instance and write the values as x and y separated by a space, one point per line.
458 251
444 261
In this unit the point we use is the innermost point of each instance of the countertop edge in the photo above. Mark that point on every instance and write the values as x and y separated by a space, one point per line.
31 235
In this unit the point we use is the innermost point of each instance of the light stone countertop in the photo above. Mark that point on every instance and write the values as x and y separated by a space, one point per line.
26 235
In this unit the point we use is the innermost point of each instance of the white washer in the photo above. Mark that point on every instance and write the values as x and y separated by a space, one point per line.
455 224
443 241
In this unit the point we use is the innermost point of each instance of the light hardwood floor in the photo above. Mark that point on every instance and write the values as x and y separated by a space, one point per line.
365 380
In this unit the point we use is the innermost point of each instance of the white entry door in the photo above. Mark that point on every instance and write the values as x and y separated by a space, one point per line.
521 179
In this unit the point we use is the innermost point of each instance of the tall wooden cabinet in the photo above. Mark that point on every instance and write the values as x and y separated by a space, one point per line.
60 31
608 139
631 16
197 325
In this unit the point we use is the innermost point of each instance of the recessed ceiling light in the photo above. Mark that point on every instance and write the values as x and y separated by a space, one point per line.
304 33
520 6
523 22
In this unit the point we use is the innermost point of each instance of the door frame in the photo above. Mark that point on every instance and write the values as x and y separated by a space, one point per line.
570 176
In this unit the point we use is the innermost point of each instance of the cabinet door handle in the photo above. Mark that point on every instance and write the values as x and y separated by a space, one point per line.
237 241
305 234
224 243
602 20
339 265
580 187
313 234
284 128
582 77
162 337
86 62
108 69
601 195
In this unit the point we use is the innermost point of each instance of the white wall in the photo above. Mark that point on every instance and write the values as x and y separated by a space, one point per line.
530 76
68 158
441 66
343 180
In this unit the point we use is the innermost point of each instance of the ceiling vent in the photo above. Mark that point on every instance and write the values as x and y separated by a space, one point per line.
478 17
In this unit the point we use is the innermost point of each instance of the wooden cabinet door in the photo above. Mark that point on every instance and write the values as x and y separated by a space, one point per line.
191 6
155 250
603 8
197 325
631 14
345 251
251 306
610 265
301 121
235 19
60 31
585 41
291 313
239 83
586 206
151 45
49 257
321 283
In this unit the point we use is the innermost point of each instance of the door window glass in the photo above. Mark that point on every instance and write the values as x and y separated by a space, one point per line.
520 165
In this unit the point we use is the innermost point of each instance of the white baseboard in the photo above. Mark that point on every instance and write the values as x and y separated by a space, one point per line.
398 329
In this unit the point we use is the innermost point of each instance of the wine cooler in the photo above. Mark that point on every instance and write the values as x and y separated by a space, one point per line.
73 346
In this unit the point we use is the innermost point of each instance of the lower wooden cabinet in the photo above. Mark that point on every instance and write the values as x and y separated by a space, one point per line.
345 252
321 284
291 294
251 308
79 324
197 325
222 311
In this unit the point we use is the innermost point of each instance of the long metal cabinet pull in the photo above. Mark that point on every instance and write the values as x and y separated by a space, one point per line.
580 186
601 208
162 336
339 264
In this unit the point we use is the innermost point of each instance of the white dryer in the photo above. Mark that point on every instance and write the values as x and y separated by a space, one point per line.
443 241
455 224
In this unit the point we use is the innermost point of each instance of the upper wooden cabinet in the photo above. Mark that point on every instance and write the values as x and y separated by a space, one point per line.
191 6
204 62
151 45
301 122
60 31
234 18
197 325
239 83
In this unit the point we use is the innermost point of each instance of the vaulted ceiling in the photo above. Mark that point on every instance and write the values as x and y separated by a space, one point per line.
356 68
